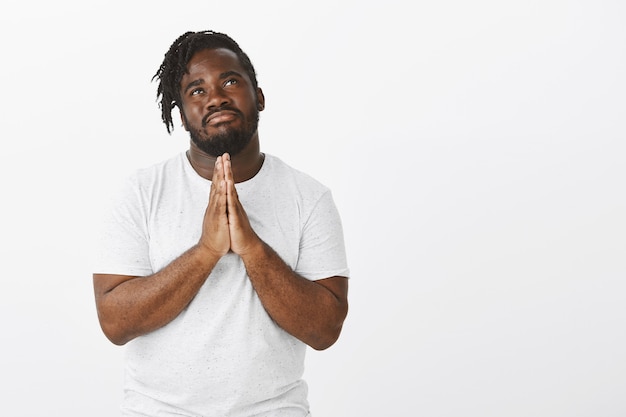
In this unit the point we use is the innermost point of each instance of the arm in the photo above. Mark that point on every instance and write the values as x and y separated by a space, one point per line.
132 306
312 311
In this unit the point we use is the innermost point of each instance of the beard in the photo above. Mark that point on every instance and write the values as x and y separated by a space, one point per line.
228 139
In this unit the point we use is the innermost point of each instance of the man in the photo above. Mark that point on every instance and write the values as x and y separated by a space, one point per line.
219 265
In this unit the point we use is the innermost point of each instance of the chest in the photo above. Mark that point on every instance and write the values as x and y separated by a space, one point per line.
176 216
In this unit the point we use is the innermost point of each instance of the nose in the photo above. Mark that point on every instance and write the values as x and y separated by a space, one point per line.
217 97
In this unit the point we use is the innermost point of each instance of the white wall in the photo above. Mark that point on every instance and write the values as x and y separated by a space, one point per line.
475 150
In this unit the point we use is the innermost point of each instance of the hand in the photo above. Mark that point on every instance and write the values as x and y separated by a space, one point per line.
242 236
215 230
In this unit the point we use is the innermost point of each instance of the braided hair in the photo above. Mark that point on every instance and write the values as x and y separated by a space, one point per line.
174 66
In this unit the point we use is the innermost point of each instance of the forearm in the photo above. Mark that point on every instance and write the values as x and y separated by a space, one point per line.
140 305
306 309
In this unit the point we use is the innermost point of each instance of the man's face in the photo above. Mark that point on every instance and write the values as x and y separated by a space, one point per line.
220 108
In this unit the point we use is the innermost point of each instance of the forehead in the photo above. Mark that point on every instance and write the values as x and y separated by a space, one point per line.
209 60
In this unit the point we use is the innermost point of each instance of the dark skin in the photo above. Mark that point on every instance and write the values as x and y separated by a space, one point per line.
130 306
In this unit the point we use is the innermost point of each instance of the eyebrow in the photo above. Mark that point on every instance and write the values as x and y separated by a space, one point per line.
194 83
230 74
200 81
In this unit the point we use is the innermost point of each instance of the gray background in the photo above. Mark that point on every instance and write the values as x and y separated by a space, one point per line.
475 150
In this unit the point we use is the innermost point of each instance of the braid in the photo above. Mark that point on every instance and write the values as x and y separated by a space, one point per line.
174 66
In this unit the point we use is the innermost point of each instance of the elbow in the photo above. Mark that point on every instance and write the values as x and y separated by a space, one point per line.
114 334
327 337
114 322
326 341
117 339
113 330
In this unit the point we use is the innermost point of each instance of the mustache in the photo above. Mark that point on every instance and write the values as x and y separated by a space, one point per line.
206 117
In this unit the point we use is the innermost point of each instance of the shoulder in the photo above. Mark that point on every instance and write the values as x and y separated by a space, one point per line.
173 163
157 172
283 174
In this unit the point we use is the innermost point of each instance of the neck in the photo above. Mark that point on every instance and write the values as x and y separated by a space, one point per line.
245 164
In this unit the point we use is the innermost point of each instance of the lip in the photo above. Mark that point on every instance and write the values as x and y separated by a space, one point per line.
220 117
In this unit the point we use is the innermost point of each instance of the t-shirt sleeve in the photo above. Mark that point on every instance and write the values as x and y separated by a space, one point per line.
122 245
322 249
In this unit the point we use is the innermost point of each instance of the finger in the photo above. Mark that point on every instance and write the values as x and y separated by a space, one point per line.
215 233
242 236
218 170
229 177
228 167
217 181
232 199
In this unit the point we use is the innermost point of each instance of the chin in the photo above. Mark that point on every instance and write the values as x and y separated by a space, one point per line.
218 146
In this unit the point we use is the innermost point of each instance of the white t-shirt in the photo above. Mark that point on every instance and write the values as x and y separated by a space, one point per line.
223 355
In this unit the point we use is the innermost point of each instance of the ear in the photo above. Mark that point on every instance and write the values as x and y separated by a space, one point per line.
183 119
260 99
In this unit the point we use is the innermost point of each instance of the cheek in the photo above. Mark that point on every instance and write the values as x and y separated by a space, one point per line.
183 120
191 115
250 108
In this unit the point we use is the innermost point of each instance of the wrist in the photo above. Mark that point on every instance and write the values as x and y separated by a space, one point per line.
206 253
253 250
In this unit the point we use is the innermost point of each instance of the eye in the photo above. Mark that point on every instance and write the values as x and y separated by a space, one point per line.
231 81
196 91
